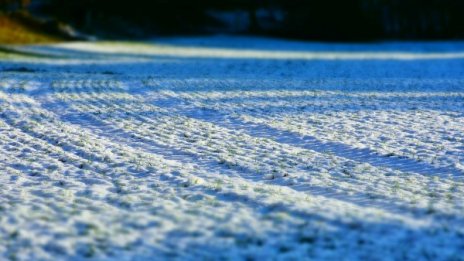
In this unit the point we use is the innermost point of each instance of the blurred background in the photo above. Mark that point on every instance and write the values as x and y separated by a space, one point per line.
31 21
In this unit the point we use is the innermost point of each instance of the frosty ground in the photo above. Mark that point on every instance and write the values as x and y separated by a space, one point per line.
232 148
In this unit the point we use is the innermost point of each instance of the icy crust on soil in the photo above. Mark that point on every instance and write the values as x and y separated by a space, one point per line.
197 155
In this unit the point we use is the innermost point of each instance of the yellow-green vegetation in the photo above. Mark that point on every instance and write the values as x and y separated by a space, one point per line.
13 32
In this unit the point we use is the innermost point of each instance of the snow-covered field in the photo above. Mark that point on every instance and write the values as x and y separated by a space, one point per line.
232 148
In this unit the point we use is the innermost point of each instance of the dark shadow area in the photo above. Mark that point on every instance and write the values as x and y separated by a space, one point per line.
329 20
250 42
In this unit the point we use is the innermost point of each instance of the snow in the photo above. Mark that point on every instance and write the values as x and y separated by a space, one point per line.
234 148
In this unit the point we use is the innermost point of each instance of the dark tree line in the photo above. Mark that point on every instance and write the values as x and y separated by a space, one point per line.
311 19
14 4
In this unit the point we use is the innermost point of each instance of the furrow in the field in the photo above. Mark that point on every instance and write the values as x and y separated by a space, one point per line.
308 101
251 102
16 142
50 175
218 187
198 110
275 118
225 195
238 96
51 132
88 85
35 177
46 193
261 128
87 152
376 158
259 95
436 144
128 109
68 148
130 190
168 147
350 85
156 133
306 118
338 168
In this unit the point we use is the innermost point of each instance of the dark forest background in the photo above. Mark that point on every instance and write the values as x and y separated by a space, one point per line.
308 19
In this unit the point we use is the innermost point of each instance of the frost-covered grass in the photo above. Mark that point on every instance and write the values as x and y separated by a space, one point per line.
188 149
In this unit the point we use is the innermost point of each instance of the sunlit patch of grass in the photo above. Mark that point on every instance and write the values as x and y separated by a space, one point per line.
13 32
